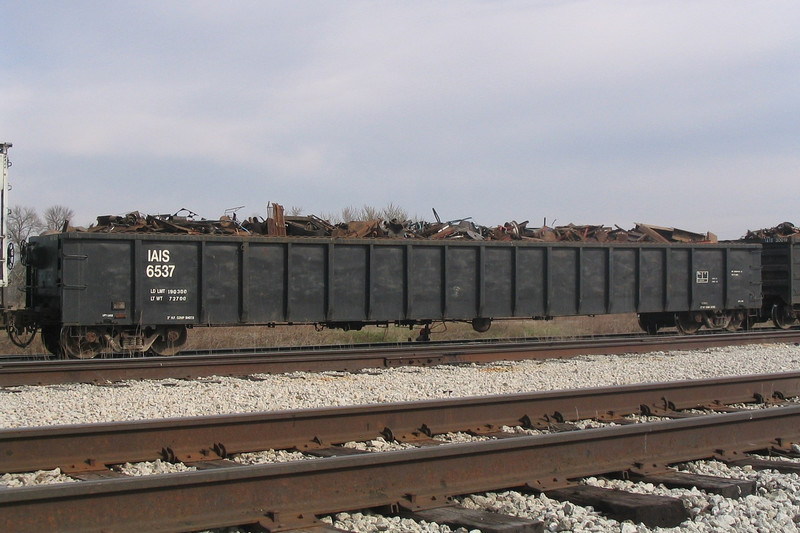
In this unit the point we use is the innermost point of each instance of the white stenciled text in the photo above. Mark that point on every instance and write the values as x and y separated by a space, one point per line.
158 264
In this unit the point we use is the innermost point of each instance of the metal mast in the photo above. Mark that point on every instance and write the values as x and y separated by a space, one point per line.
4 241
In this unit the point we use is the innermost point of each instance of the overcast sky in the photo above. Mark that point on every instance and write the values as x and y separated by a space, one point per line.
675 113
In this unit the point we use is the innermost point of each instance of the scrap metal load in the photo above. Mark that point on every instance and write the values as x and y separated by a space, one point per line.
277 224
781 232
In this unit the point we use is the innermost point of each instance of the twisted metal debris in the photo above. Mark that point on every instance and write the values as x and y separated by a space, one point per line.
783 231
277 224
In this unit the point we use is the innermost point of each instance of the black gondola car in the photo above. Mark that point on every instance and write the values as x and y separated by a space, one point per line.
781 280
94 292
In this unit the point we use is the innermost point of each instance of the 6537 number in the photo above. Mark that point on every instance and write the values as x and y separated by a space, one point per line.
160 271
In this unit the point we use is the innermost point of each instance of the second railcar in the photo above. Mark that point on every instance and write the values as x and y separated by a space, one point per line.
94 292
781 281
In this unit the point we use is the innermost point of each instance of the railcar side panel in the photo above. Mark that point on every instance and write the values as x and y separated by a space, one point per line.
707 290
95 281
743 285
531 281
307 275
498 281
794 260
426 281
387 282
593 298
43 293
562 285
265 273
167 283
462 288
350 284
652 279
220 283
781 272
623 280
679 280
125 279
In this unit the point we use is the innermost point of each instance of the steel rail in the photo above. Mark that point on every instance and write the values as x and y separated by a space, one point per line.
92 446
237 364
283 495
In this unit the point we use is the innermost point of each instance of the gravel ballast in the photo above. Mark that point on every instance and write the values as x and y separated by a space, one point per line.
137 400
773 507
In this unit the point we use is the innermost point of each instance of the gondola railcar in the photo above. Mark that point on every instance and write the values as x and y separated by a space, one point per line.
92 292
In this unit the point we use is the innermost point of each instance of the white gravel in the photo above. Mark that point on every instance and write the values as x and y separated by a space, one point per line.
136 400
774 507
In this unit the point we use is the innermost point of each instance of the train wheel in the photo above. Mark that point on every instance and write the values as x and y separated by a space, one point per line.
21 335
481 325
424 334
170 341
51 338
737 318
782 316
648 325
686 324
81 343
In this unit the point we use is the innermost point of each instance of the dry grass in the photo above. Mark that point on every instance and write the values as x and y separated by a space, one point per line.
254 337
258 337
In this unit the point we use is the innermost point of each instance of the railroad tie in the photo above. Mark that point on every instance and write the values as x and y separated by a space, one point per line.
649 509
456 517
730 488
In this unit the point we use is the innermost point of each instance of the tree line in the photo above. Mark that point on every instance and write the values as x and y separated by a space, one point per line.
21 223
365 212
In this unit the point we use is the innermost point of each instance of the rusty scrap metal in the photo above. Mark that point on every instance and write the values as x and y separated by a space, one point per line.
659 234
308 226
784 230
276 222
278 225
359 229
136 223
593 233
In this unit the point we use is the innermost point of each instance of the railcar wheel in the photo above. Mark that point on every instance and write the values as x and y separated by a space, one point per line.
10 256
481 325
736 320
81 343
686 324
424 334
21 335
782 316
51 338
648 325
170 341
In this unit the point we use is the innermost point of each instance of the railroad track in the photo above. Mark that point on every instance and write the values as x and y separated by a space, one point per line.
421 480
15 373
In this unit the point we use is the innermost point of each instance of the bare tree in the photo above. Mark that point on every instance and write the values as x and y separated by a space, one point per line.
349 214
329 217
394 212
369 213
56 215
22 223
295 211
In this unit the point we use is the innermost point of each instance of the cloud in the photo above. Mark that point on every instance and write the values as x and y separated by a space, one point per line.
490 109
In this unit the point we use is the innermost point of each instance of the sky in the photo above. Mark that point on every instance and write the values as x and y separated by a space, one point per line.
675 113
